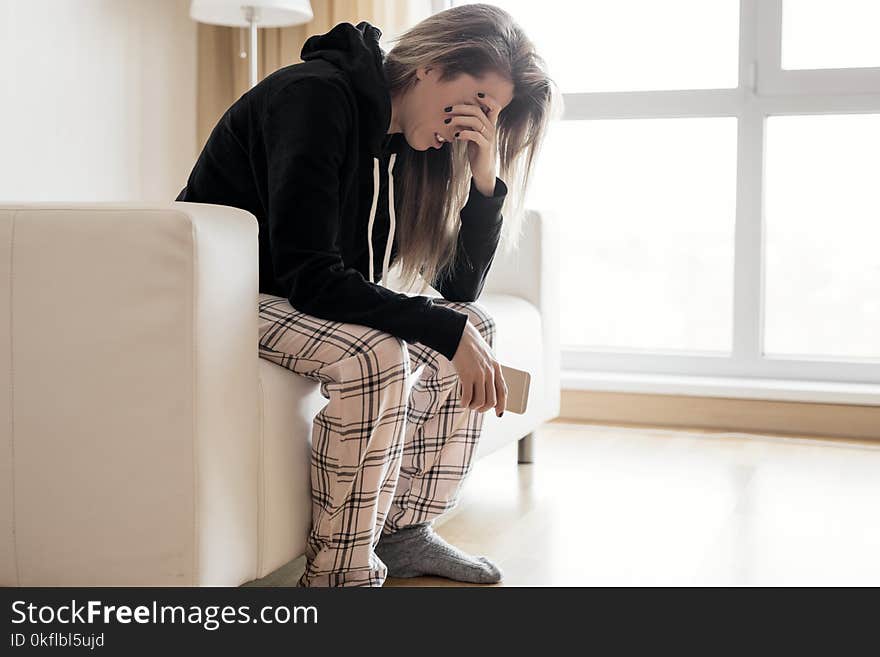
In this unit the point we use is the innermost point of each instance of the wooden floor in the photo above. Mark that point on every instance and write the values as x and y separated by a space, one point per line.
624 506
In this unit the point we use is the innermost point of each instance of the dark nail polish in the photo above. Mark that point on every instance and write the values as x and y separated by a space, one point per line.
447 120
457 134
481 94
447 109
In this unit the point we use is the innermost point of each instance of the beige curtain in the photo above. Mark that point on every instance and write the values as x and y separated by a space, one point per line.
223 73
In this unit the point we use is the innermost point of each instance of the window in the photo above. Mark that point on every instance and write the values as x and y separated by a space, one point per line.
825 34
822 236
715 173
653 205
632 45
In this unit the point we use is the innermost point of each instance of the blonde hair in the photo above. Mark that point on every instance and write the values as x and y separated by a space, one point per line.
475 39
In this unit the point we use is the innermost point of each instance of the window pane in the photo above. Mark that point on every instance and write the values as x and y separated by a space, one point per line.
822 232
647 208
633 45
825 34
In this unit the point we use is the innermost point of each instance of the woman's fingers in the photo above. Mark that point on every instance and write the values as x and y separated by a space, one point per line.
490 392
479 394
471 135
473 123
473 116
467 393
494 105
500 390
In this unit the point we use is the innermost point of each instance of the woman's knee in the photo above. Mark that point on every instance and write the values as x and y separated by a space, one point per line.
388 351
481 318
375 364
485 317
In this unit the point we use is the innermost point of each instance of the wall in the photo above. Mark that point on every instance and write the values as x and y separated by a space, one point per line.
97 99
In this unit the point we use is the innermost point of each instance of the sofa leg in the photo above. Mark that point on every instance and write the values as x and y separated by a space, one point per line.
526 448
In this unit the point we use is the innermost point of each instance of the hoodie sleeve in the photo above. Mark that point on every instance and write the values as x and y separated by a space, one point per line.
478 238
306 127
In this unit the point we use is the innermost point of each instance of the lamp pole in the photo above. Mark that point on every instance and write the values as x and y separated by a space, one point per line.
250 14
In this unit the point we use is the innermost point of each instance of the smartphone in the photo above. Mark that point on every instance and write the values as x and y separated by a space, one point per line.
517 388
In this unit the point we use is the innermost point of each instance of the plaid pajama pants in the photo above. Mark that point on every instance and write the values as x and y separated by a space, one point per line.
391 447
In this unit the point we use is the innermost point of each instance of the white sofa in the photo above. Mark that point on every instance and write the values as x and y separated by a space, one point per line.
144 442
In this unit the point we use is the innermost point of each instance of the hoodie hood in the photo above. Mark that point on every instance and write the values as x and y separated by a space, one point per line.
355 49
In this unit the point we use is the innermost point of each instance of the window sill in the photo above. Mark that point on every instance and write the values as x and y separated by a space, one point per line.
827 392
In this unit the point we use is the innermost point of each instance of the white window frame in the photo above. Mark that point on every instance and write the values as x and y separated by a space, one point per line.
764 89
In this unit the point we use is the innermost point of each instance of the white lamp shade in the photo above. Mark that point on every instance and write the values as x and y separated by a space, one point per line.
268 13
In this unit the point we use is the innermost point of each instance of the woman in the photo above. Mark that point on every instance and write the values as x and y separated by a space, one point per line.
348 160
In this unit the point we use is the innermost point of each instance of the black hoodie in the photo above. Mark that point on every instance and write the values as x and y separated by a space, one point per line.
307 152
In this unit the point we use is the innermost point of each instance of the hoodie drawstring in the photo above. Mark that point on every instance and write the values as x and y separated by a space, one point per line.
386 260
373 213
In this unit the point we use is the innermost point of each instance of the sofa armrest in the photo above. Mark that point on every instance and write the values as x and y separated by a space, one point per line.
532 271
132 352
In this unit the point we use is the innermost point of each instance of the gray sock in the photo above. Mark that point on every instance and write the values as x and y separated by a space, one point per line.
418 550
